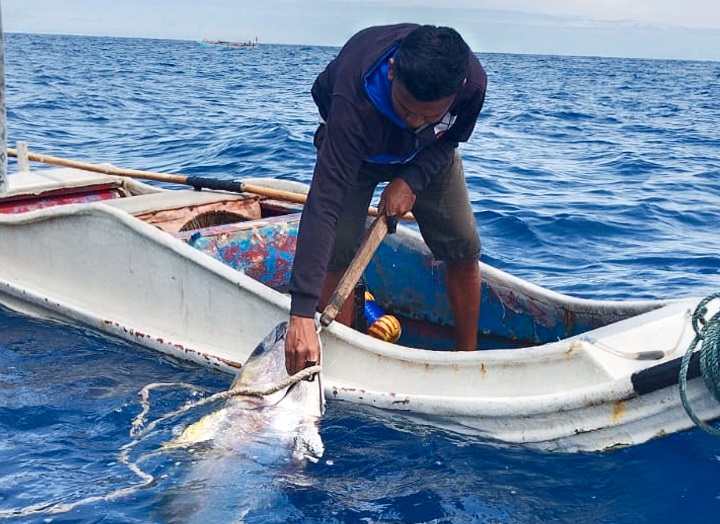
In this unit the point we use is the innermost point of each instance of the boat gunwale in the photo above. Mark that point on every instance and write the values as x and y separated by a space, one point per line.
419 356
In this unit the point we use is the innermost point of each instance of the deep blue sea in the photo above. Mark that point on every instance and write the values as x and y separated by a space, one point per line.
597 177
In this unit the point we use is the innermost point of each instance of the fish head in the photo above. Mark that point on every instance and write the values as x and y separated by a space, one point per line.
286 417
265 370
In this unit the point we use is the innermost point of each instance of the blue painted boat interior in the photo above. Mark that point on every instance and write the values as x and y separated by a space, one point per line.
405 281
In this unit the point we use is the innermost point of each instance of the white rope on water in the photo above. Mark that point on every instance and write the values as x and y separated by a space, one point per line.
144 393
139 432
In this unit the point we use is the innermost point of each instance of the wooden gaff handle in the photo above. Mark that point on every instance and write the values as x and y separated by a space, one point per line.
374 236
196 182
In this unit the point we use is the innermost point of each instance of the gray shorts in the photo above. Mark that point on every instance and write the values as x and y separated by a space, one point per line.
442 210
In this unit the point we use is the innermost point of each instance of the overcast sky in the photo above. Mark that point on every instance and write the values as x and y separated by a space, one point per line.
687 29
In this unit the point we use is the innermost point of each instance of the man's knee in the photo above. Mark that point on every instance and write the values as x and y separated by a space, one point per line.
463 267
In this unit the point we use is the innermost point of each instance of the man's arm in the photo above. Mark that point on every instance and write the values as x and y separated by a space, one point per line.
337 165
338 162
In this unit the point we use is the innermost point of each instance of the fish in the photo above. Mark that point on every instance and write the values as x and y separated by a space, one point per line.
288 418
239 456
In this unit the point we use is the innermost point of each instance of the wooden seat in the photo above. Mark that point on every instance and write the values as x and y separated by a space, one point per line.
170 210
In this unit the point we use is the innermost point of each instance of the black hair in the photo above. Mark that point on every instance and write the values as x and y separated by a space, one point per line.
432 62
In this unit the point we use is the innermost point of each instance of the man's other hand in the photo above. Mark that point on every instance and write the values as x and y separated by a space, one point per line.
397 199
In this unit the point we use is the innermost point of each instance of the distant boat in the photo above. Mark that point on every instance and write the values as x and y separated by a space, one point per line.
248 44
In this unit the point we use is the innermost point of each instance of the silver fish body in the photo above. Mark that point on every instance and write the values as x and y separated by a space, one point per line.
241 453
285 419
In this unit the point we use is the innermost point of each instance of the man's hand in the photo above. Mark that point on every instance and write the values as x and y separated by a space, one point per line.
302 347
397 199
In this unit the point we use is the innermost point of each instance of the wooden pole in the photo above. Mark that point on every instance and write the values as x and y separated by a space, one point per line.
196 182
374 236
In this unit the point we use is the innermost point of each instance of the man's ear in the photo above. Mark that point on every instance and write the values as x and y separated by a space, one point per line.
391 69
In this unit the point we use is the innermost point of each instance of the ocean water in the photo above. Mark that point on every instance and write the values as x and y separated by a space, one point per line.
596 177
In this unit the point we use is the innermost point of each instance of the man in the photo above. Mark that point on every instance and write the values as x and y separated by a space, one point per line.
394 104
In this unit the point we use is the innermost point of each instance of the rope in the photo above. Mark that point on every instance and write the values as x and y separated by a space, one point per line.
707 332
139 432
137 425
653 354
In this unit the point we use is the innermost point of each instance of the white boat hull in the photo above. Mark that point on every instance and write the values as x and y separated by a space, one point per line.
98 266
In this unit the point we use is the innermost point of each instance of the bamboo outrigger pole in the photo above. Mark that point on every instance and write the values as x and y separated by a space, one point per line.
235 186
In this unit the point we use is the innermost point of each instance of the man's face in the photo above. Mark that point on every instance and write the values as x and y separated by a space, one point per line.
415 113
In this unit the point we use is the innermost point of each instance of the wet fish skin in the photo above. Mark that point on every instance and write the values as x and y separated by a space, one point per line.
287 419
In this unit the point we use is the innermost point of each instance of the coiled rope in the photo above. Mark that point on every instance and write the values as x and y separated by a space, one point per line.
707 332
139 431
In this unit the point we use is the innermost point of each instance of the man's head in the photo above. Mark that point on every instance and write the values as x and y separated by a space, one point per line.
432 62
427 72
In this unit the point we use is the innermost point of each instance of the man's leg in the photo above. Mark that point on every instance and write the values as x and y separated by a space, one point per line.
463 284
447 224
